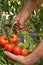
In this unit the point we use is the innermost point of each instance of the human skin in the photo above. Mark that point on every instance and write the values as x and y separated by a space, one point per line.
28 7
26 10
30 59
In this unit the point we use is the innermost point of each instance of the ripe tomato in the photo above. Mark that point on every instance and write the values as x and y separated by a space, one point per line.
3 40
24 52
9 47
17 50
13 38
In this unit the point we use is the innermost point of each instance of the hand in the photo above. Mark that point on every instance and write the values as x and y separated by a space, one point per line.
30 59
22 16
19 58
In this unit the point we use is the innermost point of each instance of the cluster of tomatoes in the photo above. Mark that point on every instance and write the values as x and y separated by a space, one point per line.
11 47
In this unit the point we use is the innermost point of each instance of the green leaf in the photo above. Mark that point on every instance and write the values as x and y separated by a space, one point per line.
17 63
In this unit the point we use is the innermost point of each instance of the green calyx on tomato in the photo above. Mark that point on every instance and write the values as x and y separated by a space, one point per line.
13 38
3 41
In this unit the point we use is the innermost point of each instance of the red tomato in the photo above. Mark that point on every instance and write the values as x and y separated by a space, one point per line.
13 38
24 52
17 50
9 47
3 40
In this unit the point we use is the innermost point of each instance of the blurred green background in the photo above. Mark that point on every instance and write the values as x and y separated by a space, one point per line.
10 8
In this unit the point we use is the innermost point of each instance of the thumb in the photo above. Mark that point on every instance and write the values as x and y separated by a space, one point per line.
14 57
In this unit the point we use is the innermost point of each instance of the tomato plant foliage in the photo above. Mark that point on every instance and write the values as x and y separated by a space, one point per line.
32 37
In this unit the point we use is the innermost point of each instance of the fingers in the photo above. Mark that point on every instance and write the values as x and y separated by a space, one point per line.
19 58
13 57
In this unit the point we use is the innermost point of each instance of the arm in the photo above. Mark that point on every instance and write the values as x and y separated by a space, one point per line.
30 59
36 54
28 7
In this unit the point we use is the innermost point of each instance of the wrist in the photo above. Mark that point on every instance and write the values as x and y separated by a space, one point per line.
32 58
35 55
